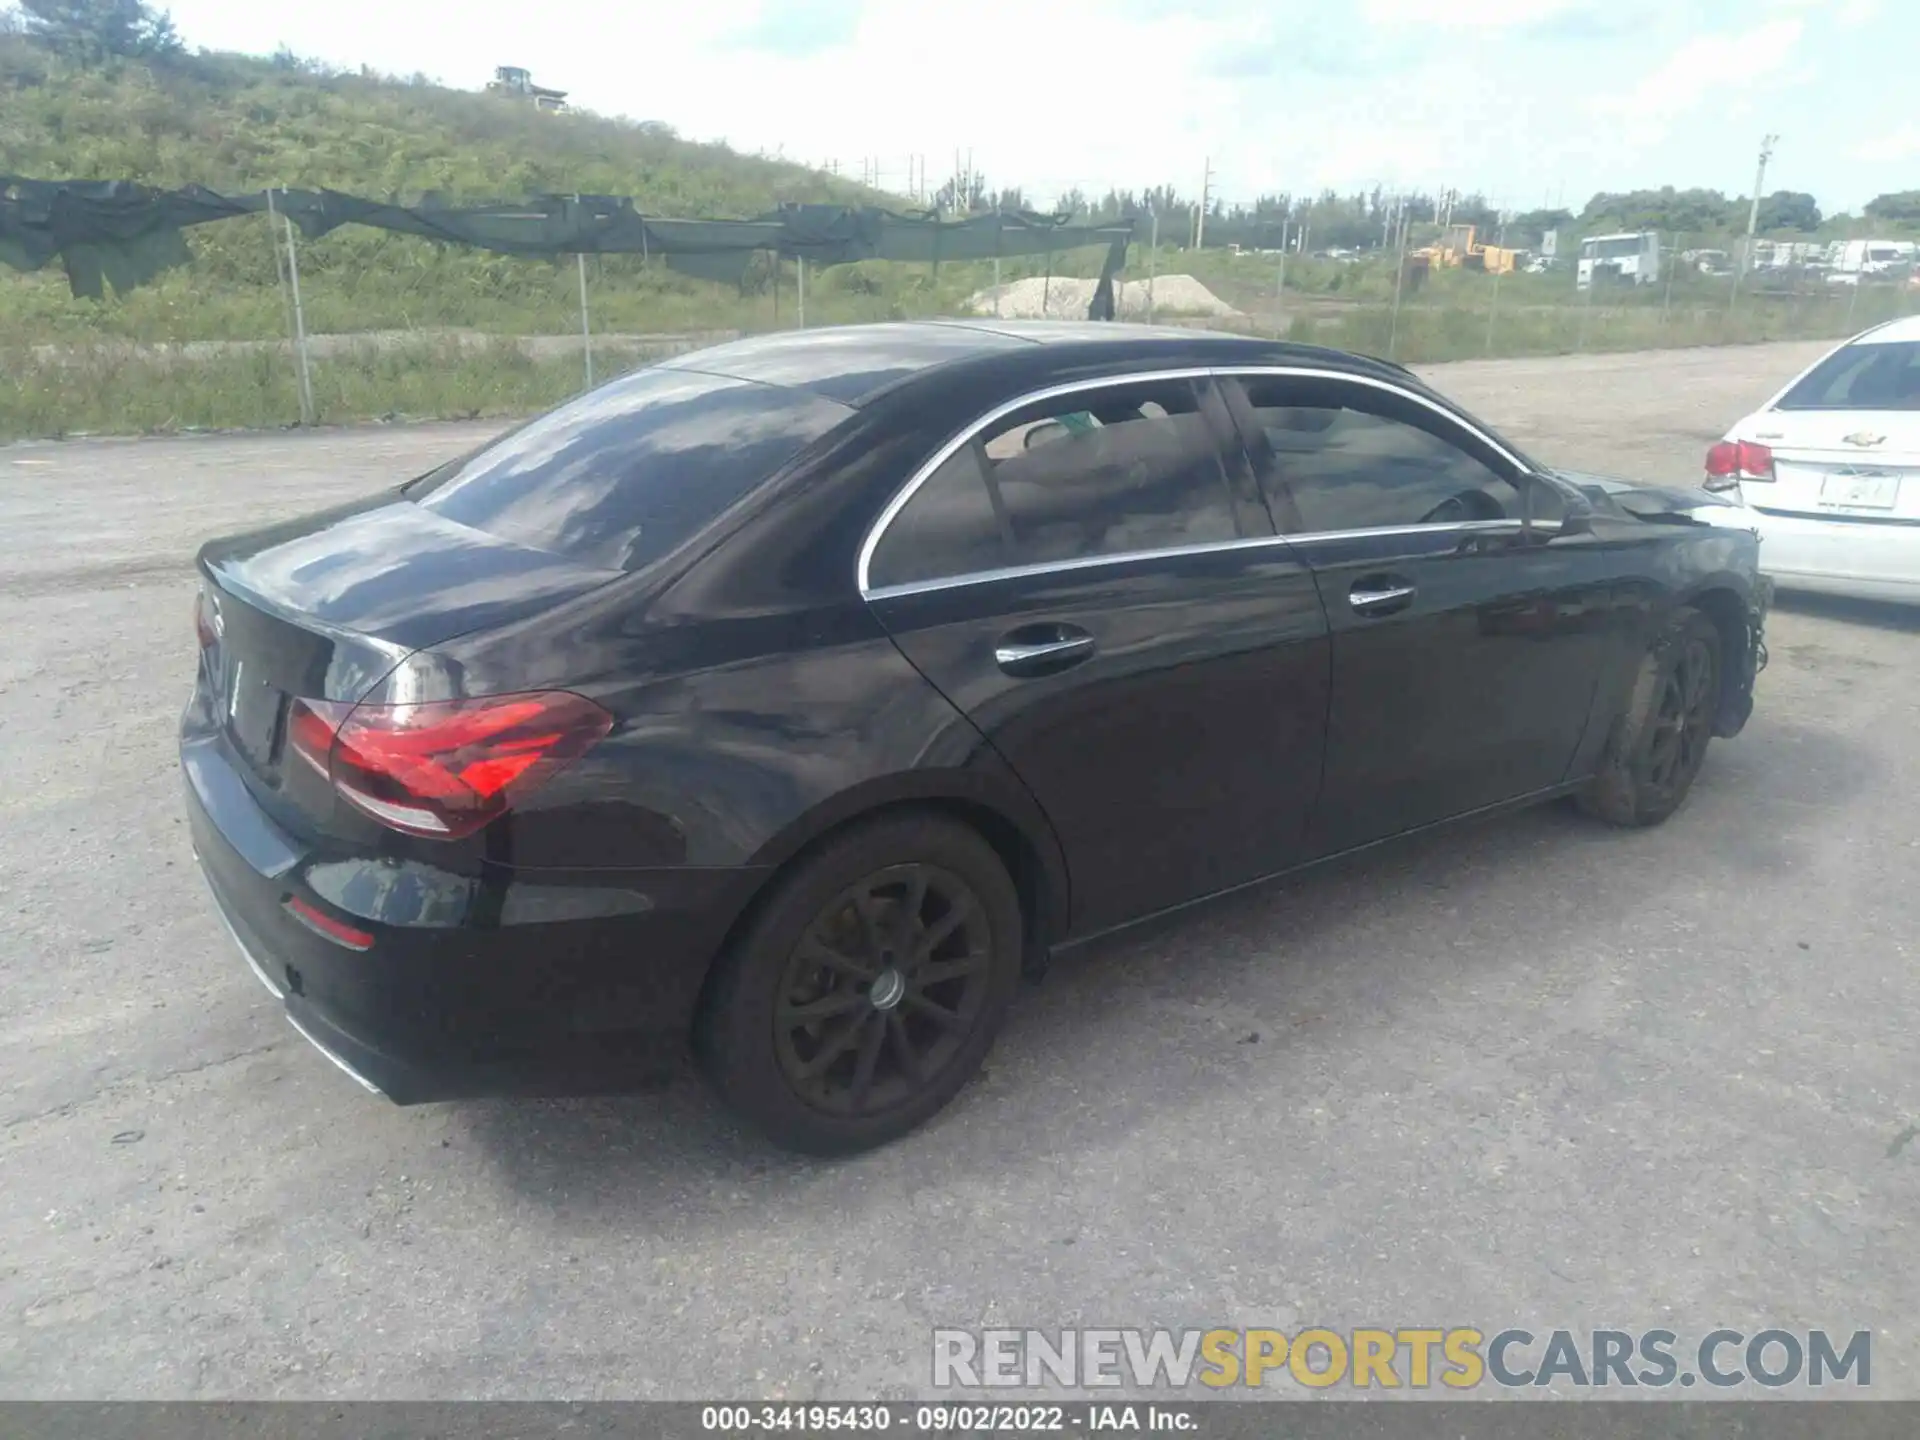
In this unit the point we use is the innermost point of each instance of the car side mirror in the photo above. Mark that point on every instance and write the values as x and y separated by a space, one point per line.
1577 519
1577 522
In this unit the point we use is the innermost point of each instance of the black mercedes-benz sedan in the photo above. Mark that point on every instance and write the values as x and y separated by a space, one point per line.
797 696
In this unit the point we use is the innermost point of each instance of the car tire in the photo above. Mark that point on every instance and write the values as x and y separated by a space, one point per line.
1659 741
842 952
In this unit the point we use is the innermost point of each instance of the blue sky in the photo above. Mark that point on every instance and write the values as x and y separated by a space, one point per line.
1527 101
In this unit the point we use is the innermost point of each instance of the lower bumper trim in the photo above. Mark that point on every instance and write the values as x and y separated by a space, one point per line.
352 1074
254 963
265 977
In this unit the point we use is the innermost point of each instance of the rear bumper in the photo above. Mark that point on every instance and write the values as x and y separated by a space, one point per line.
1863 559
495 999
337 1047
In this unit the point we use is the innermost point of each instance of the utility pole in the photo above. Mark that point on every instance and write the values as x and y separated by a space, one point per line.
1753 210
1200 221
1753 222
1493 304
1280 286
1153 257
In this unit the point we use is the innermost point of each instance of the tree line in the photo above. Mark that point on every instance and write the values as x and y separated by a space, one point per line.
102 31
1366 219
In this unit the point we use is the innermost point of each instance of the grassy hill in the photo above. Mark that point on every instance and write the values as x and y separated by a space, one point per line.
234 122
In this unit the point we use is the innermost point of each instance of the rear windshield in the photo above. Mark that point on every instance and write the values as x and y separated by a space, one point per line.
620 476
1861 377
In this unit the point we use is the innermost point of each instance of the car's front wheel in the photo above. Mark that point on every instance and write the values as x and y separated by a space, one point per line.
867 987
1659 741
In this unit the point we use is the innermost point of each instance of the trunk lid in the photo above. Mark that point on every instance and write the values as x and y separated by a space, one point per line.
1853 465
327 606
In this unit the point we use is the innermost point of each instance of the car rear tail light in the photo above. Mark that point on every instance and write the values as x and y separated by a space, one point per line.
444 768
204 619
1732 461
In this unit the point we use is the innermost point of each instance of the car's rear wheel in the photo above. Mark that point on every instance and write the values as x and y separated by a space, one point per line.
1659 741
868 986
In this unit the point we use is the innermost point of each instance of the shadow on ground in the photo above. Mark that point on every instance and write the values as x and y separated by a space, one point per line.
1296 962
1881 614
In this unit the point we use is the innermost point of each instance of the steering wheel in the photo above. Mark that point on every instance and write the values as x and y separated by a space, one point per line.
1464 506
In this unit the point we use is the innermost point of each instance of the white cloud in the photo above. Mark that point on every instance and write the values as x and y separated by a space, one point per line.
1464 15
1053 94
1845 12
1697 75
1901 143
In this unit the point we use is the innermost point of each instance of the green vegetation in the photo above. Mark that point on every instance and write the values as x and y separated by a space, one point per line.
236 123
101 89
98 31
1457 314
106 392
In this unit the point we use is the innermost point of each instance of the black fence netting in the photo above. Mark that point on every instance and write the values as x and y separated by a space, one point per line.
119 233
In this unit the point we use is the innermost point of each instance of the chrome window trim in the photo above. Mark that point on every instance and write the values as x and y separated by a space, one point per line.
1232 371
878 529
1080 562
1123 557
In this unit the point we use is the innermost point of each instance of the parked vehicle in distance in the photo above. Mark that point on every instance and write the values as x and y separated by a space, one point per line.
1852 259
1829 469
1633 257
797 695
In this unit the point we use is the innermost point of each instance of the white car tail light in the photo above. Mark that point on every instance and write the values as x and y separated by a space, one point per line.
1732 461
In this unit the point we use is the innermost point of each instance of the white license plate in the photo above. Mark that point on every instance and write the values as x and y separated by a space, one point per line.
1860 492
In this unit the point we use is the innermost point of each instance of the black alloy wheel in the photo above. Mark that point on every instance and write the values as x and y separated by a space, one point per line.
1658 743
867 986
882 990
1683 719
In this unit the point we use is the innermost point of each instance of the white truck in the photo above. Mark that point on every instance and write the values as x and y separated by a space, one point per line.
1853 258
1632 256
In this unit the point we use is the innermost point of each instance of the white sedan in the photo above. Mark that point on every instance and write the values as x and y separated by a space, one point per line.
1828 470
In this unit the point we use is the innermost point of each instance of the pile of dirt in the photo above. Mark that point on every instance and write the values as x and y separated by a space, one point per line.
1038 298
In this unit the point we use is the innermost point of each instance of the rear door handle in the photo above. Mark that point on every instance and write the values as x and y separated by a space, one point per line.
1042 650
1380 595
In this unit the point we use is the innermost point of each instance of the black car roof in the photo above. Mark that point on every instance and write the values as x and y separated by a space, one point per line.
854 364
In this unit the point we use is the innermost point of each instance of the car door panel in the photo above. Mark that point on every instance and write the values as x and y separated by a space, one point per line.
1156 675
1475 691
1465 655
1181 755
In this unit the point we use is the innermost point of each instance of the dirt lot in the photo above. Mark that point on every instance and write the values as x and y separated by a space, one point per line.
1536 1073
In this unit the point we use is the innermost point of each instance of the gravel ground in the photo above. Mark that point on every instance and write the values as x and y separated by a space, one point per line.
1534 1073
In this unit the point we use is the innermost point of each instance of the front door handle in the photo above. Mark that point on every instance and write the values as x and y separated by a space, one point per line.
1380 595
1042 650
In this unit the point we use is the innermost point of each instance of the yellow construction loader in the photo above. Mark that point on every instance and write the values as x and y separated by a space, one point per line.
1459 246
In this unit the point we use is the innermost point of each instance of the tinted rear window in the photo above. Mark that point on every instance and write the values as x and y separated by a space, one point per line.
618 477
1861 377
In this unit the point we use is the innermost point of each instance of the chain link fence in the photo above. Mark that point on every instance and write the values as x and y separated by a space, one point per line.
395 327
1419 300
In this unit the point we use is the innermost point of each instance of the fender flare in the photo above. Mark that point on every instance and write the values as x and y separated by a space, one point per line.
988 791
